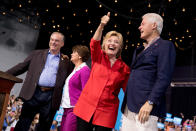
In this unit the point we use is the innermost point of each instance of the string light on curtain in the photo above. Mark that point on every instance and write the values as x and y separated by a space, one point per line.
36 27
20 20
183 9
67 27
182 37
149 5
163 14
28 18
131 10
126 47
77 25
175 22
131 17
20 6
58 6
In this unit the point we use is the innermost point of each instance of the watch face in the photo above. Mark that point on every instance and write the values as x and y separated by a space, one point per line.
150 102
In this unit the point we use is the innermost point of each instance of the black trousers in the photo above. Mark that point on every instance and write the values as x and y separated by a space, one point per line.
39 103
88 126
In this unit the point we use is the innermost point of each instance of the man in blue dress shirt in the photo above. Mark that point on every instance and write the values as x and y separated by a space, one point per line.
42 89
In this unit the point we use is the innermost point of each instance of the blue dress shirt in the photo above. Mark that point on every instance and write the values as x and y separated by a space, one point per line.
48 75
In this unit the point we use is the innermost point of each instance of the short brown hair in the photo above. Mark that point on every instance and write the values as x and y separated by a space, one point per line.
82 51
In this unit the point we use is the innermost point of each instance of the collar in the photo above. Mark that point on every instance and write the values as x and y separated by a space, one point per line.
58 55
150 43
80 66
154 40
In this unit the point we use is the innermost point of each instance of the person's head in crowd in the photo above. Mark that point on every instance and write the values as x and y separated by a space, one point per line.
36 119
19 101
12 113
12 99
151 26
80 54
9 109
113 44
56 42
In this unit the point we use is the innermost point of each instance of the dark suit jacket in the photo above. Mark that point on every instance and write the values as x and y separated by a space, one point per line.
150 77
34 65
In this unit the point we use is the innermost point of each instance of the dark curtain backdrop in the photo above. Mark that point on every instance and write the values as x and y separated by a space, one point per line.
181 100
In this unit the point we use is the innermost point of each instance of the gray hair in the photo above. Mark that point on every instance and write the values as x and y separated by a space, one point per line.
63 37
155 18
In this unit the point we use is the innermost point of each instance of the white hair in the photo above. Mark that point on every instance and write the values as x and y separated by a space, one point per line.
153 17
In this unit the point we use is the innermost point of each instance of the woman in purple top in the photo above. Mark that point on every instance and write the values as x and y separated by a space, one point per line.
74 84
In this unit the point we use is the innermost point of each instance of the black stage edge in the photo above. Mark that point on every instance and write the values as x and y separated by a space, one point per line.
181 98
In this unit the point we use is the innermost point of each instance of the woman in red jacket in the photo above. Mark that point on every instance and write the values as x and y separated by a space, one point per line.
98 103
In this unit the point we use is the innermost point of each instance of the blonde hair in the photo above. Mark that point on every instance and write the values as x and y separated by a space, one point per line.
120 37
155 18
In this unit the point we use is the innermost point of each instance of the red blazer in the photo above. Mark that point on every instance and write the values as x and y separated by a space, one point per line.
34 65
99 97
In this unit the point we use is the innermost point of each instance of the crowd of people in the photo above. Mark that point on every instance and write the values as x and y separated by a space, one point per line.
13 112
176 123
164 124
89 95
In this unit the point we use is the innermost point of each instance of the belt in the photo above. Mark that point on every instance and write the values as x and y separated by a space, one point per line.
44 88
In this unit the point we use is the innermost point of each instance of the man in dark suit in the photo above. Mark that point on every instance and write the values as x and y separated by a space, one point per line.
42 89
151 74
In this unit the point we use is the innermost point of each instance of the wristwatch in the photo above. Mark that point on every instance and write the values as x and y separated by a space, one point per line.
150 102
